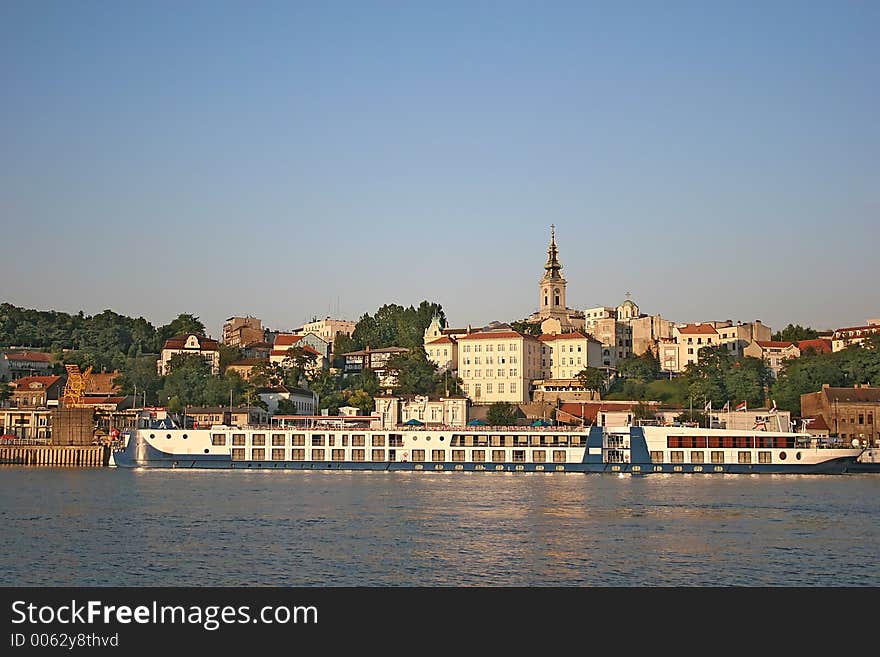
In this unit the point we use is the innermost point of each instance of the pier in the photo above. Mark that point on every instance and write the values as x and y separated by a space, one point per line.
72 456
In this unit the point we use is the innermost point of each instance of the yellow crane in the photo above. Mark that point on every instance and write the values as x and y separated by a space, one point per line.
74 389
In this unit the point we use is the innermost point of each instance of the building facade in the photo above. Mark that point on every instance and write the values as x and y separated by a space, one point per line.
551 296
19 364
431 412
37 391
241 331
850 413
498 365
327 328
193 344
844 337
773 353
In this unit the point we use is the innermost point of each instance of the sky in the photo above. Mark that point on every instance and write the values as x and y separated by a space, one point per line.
286 160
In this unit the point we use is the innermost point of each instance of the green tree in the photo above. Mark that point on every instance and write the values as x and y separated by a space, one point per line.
188 381
5 391
362 400
643 368
182 325
413 372
795 333
526 328
286 407
501 414
137 376
228 355
592 378
267 375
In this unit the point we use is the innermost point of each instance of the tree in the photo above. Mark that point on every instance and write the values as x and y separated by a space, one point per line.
188 381
643 368
228 355
267 375
642 411
501 414
795 333
414 374
362 400
138 376
592 378
5 391
526 328
182 325
286 407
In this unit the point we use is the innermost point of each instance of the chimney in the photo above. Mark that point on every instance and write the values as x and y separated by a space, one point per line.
826 385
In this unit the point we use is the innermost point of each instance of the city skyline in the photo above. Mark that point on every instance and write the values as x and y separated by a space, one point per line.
288 161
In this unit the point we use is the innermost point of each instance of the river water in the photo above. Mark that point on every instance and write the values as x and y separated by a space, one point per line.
113 527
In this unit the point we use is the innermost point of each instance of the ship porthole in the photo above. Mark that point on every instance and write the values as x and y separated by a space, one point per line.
206 450
441 437
152 435
184 436
798 456
782 456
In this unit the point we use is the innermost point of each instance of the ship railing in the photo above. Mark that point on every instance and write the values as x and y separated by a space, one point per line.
26 441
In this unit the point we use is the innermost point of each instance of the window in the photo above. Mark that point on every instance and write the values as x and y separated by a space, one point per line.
237 439
418 455
278 454
278 440
298 454
438 455
298 439
559 456
378 441
764 457
258 439
358 454
519 456
498 456
258 454
500 387
358 440
378 455
337 454
458 455
317 440
676 456
513 388
317 454
488 385
697 457
238 453
218 439
657 456
539 456
744 457
478 455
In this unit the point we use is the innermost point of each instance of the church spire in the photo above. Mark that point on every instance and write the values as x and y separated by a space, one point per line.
552 267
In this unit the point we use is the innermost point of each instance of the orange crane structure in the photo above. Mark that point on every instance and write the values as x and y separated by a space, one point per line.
74 389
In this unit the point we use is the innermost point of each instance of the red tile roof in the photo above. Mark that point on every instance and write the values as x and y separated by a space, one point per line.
818 422
102 383
869 394
492 335
287 340
32 356
700 329
206 344
774 343
283 352
443 340
563 336
819 345
44 381
870 327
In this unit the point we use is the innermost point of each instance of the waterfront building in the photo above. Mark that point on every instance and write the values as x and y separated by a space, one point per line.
305 401
245 367
375 360
284 342
498 364
37 391
563 355
441 344
190 343
430 411
683 347
850 413
774 353
27 423
240 331
844 337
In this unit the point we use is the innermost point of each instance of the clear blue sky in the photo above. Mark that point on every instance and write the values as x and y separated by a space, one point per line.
717 159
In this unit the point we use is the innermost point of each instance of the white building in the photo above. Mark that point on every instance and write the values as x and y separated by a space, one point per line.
191 343
498 365
429 411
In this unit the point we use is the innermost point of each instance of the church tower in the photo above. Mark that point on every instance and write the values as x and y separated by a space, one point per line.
552 285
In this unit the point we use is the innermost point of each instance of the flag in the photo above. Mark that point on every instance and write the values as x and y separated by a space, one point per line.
773 410
708 406
742 406
760 424
726 408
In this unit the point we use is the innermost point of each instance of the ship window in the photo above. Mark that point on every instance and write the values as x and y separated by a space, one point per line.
358 454
298 454
258 439
317 454
238 439
278 454
238 454
657 456
258 454
539 456
798 456
498 456
418 455
519 456
744 457
207 450
317 440
298 440
676 456
358 440
278 439
458 455
559 456
438 455
698 457
379 441
478 455
378 455
338 454
717 457
217 439
764 457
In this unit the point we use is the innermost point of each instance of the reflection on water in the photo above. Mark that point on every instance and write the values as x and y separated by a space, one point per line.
107 527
